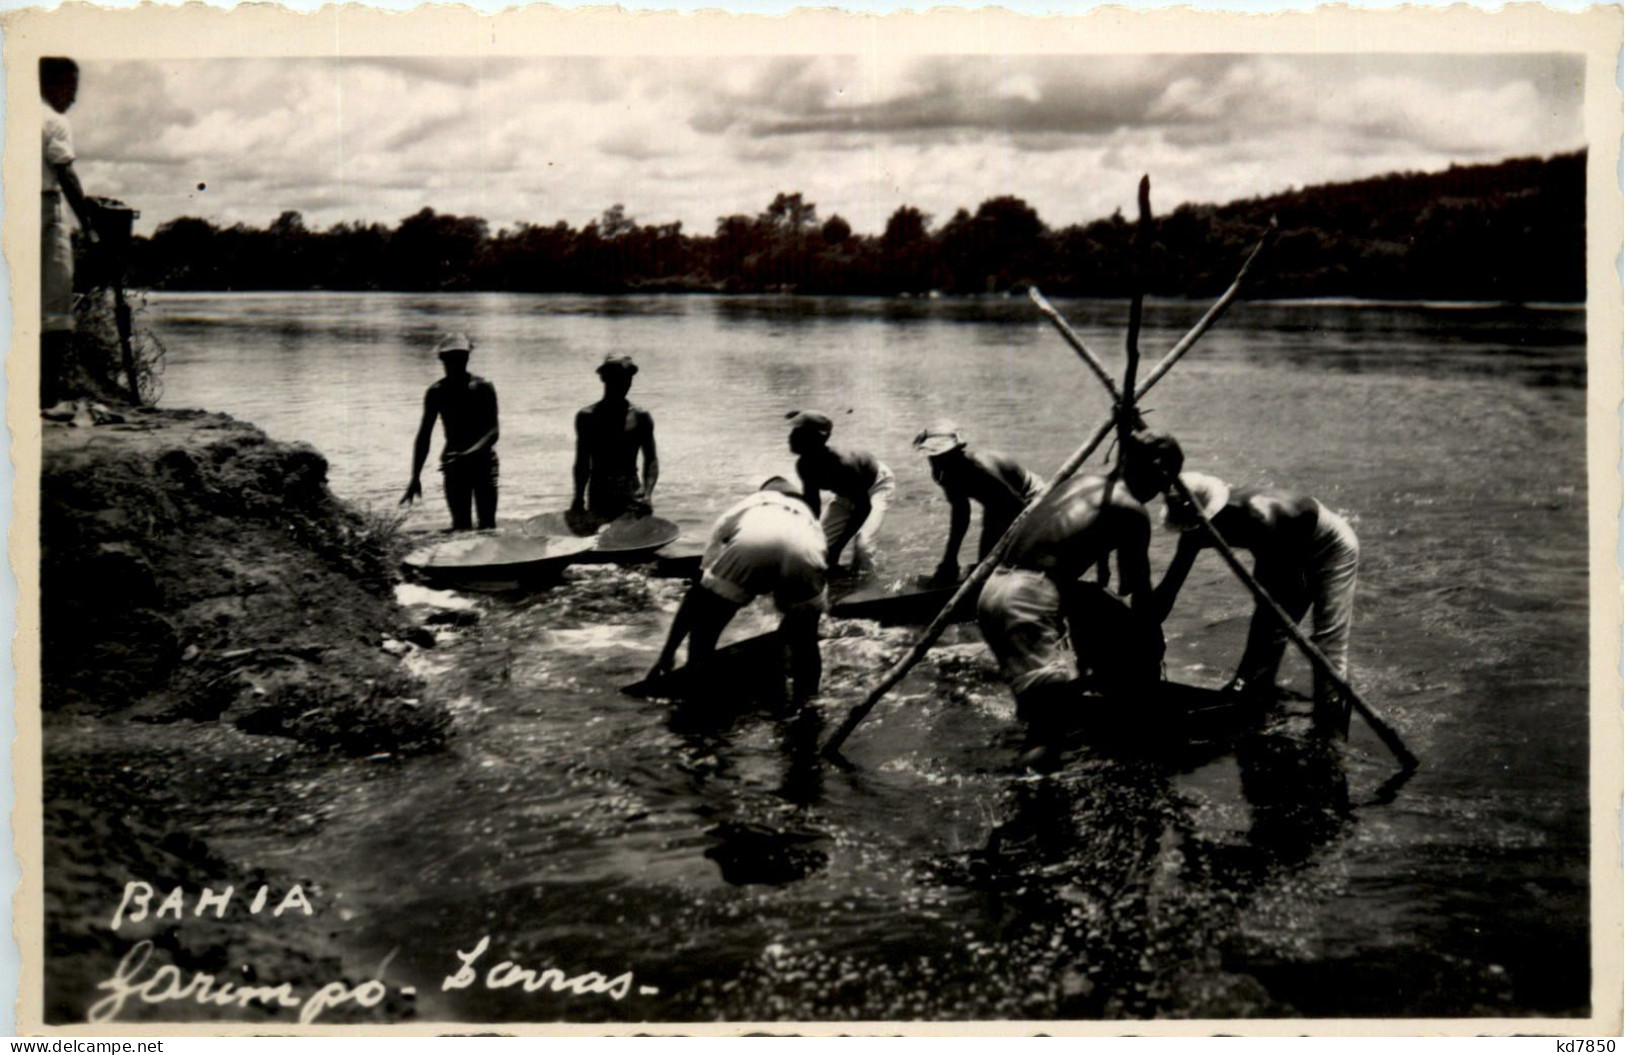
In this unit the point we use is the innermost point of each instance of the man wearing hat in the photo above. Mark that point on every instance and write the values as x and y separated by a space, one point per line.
1305 557
1036 598
1000 486
467 408
769 543
610 435
860 485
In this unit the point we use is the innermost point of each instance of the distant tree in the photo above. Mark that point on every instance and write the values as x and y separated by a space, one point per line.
433 250
790 212
290 224
615 223
906 229
836 230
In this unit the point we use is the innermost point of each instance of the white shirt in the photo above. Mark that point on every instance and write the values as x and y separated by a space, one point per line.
58 148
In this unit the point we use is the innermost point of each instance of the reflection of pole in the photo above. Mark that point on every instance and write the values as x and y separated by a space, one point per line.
1384 731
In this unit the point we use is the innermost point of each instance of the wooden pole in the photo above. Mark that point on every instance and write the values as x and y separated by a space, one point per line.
1127 416
984 570
1384 731
1071 337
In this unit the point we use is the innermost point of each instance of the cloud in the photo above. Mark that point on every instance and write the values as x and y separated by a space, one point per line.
544 139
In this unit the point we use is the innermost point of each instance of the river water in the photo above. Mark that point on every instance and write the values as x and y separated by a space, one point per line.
708 852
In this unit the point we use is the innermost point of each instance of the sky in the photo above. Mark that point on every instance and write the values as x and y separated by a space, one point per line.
683 139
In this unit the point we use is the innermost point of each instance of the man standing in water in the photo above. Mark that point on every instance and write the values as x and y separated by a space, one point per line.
610 435
861 486
1306 556
768 543
997 483
59 87
467 408
1035 598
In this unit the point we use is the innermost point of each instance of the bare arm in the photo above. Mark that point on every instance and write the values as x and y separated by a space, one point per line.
1167 591
1133 561
651 461
809 491
679 631
958 525
420 448
582 470
75 193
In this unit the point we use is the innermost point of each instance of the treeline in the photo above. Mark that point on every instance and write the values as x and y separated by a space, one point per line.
1509 231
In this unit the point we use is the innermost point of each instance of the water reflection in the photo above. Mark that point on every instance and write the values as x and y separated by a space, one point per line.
1111 880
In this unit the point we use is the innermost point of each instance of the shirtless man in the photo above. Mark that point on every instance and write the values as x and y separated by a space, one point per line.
997 483
467 408
768 543
1035 598
861 486
610 435
1305 556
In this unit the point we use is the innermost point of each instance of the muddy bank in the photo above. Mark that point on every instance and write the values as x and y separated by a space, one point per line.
199 577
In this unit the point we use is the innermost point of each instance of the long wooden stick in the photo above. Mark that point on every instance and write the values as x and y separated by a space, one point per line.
1384 731
1071 337
1127 416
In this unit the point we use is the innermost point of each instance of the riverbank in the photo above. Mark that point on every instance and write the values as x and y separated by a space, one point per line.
199 577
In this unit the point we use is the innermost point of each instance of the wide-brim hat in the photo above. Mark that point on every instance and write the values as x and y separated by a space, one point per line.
454 344
614 363
941 438
811 421
1210 492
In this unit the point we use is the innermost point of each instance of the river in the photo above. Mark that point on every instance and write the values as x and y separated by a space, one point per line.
582 829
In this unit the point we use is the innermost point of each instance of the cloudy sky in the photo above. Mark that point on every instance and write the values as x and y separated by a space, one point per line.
540 140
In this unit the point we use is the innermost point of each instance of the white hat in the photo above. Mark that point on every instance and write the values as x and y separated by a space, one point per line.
943 436
1210 492
454 342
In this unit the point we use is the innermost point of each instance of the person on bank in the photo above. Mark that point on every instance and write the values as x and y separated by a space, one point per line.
1036 598
610 435
1306 557
996 483
860 488
769 543
467 408
59 88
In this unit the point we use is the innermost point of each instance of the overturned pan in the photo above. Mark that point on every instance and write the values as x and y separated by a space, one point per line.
628 540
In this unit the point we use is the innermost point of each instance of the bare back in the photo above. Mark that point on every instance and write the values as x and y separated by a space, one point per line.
1070 531
1276 526
467 407
849 474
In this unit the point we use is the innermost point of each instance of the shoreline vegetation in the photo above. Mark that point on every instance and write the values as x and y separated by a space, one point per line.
1509 232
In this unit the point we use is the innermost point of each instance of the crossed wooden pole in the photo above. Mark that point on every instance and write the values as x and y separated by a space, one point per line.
1124 417
1384 732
